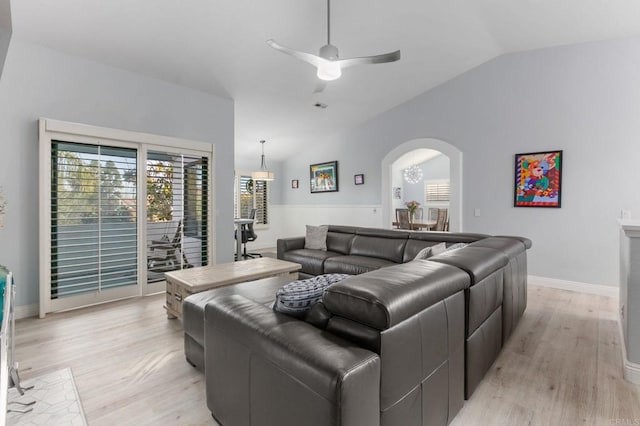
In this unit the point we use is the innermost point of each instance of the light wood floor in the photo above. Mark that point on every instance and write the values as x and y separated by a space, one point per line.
561 367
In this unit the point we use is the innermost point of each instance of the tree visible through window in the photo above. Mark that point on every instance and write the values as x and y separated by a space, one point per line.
159 191
249 194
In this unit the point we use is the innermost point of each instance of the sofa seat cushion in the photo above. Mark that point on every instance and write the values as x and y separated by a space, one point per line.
387 296
261 291
354 265
312 261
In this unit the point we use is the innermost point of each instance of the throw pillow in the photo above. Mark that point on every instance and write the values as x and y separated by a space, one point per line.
423 254
438 249
296 298
316 237
456 246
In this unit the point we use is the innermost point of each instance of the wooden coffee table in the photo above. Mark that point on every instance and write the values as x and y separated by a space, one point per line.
181 284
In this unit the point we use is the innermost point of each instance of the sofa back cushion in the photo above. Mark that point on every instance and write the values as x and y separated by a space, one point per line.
383 298
339 242
381 247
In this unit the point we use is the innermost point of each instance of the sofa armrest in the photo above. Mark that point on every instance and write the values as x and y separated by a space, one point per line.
287 244
263 364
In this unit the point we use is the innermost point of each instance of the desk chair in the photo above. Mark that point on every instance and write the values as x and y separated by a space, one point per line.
248 234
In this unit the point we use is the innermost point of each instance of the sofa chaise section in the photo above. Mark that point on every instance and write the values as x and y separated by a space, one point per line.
390 340
261 292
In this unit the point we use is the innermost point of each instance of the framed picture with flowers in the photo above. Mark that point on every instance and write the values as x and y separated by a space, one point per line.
538 179
324 177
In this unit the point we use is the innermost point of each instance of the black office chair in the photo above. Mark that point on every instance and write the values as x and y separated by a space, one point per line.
248 234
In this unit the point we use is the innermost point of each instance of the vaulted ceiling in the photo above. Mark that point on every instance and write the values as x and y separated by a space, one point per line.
219 47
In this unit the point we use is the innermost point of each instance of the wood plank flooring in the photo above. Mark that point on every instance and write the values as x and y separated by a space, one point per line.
562 366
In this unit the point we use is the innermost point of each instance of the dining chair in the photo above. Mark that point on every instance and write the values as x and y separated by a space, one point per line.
433 213
442 220
419 215
403 218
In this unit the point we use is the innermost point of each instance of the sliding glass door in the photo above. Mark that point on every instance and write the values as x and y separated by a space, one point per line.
118 211
94 242
177 200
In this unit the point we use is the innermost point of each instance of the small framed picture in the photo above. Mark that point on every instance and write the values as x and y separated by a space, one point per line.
358 179
397 193
294 184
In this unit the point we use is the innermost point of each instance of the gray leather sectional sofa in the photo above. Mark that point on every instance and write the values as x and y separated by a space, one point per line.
403 342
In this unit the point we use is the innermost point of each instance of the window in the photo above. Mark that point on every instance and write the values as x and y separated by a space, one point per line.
436 191
252 194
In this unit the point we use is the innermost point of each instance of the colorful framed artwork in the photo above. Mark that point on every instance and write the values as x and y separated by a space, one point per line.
538 179
358 179
294 184
324 177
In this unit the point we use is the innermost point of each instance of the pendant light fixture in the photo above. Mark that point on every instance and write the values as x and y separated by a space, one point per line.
413 174
264 173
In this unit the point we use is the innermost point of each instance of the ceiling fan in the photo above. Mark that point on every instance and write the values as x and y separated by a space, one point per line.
327 62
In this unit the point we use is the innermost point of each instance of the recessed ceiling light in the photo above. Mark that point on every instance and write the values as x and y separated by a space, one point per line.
320 105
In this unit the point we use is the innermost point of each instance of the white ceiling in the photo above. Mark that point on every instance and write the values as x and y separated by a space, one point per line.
219 47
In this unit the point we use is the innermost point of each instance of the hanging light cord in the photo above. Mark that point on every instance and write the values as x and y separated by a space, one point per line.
263 164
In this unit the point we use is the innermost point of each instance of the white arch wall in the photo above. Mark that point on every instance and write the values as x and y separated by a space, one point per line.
455 159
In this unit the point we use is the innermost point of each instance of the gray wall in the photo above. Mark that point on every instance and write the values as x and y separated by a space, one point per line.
39 82
583 99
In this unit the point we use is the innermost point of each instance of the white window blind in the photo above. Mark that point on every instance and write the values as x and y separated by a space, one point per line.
93 218
251 194
437 191
261 202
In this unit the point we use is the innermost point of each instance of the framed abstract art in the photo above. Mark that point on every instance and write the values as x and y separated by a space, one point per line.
324 177
538 179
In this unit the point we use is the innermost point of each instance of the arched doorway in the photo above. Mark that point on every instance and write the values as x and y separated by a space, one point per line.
455 170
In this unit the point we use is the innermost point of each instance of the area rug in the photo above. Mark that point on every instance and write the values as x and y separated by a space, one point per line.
57 401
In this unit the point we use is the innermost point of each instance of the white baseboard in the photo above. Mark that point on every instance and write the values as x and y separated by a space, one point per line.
26 311
600 290
631 369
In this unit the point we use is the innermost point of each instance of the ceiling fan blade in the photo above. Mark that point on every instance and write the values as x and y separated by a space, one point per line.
303 56
377 59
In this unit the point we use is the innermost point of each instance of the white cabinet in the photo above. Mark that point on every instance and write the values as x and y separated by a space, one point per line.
629 310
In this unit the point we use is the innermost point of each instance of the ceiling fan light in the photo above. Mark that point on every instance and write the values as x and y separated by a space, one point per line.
329 71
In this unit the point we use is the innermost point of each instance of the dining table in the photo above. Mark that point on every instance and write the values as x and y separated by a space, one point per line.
419 225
